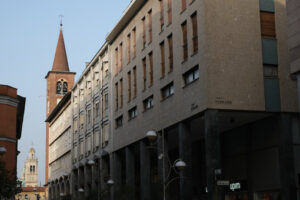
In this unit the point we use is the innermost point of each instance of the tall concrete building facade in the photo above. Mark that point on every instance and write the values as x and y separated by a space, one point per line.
59 81
211 80
293 13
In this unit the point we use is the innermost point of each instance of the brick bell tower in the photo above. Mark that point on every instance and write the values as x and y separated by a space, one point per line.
59 81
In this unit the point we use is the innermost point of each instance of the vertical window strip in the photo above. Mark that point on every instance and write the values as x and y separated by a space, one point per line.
150 69
161 14
144 73
184 41
162 53
195 32
129 86
170 43
117 96
116 60
121 93
183 5
150 25
134 42
169 11
121 55
129 47
134 83
144 32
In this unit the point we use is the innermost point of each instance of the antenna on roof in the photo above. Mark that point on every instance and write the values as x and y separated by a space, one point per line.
61 24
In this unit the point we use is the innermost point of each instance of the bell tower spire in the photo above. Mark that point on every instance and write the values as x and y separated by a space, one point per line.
60 62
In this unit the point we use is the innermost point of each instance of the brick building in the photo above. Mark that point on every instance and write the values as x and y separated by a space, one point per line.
12 108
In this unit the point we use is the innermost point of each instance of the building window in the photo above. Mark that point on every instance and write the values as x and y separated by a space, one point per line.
129 86
195 32
58 87
134 41
134 82
116 60
150 25
162 59
121 55
191 75
144 73
129 47
148 103
170 43
119 121
169 11
65 87
132 113
270 71
267 21
106 101
167 91
117 95
121 93
184 41
150 69
89 116
183 5
97 109
144 32
161 2
61 87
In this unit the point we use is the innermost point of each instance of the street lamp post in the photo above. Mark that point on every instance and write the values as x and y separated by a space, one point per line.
178 164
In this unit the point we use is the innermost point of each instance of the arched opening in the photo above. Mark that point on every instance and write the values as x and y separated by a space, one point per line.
58 87
65 87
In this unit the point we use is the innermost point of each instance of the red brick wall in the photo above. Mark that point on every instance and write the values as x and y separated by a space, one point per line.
8 123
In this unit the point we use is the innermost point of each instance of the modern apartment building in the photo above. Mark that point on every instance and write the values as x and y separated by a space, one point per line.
210 79
293 14
91 126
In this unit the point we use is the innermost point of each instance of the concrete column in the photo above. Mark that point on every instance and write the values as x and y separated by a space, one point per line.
144 171
116 174
286 157
86 176
163 164
298 83
213 152
130 168
185 153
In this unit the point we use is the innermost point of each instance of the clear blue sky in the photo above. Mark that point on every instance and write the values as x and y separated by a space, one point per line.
28 36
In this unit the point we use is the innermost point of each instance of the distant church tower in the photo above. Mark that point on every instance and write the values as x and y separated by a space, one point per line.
30 171
59 81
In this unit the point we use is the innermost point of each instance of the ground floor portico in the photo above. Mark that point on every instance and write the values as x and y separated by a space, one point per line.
228 155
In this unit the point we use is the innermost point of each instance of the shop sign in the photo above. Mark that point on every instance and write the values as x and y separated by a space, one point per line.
235 186
223 183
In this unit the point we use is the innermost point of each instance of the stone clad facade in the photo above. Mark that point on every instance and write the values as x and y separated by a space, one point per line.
91 126
60 122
